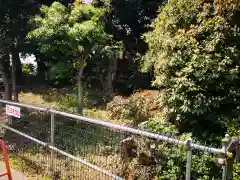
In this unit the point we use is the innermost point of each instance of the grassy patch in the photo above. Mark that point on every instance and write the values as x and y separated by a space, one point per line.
35 99
52 99
26 166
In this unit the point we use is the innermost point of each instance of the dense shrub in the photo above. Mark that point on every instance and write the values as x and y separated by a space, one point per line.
138 107
194 51
236 171
68 102
116 106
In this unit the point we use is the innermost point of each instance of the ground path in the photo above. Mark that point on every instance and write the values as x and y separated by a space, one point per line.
15 174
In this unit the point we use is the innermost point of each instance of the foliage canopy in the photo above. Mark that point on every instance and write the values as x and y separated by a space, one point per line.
66 33
194 53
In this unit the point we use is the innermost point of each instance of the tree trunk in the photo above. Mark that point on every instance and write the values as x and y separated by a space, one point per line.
4 70
18 70
41 67
110 77
15 57
7 86
80 87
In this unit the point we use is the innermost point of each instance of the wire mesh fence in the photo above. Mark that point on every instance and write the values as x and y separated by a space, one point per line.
37 162
89 149
96 144
32 122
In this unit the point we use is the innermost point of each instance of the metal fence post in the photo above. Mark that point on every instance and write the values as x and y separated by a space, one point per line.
52 167
52 128
189 159
230 163
224 163
227 161
228 169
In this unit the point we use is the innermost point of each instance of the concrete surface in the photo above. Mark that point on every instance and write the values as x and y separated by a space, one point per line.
15 174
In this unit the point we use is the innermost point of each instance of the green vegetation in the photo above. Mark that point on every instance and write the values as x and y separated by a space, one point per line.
69 37
194 50
27 69
170 66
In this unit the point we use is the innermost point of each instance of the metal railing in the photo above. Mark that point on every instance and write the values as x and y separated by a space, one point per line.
103 148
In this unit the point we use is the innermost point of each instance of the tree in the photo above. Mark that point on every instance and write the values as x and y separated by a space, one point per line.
70 35
194 52
101 71
5 63
14 17
126 21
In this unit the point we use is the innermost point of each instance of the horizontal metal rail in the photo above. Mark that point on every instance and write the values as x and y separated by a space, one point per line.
118 127
82 161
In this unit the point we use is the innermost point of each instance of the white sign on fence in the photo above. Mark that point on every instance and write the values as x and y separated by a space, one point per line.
13 111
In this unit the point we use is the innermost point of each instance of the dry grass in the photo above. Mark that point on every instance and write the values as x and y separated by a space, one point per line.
35 99
39 100
27 167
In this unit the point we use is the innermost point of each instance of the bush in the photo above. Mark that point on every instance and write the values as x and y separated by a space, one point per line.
68 102
145 104
204 165
169 160
236 171
116 106
138 107
194 51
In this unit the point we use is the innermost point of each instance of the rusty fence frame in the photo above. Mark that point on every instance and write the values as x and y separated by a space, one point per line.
5 157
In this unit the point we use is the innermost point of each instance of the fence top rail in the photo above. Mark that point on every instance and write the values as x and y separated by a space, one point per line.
119 127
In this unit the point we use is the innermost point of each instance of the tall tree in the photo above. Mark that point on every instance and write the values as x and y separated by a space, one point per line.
70 35
14 17
127 21
101 71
